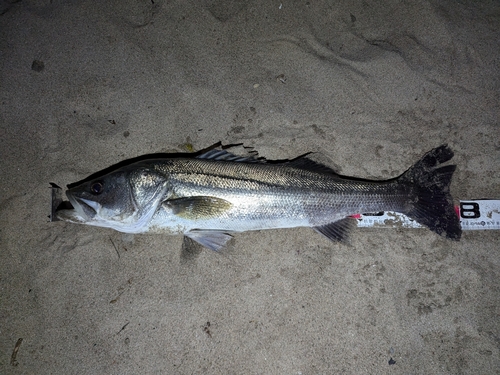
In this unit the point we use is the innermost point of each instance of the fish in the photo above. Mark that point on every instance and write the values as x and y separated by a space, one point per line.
210 196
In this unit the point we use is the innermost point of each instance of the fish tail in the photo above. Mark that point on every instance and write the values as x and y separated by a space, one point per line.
431 203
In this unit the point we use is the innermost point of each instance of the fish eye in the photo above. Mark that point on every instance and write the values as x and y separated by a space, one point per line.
96 188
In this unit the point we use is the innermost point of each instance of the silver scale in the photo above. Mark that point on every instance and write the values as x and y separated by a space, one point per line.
476 214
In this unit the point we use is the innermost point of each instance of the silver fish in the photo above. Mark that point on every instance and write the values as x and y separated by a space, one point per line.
215 194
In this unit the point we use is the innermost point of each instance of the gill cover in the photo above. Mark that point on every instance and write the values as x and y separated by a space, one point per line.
124 200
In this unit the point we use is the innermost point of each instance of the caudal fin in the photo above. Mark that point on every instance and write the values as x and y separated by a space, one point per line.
431 203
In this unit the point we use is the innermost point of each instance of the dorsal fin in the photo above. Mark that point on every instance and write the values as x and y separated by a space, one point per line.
223 155
301 162
310 165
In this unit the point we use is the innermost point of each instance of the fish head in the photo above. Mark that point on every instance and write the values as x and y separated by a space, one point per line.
124 200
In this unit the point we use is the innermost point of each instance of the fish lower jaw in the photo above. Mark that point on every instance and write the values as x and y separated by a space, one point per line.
131 225
70 216
74 216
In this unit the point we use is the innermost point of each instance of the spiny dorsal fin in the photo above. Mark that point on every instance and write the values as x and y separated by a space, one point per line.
223 155
301 162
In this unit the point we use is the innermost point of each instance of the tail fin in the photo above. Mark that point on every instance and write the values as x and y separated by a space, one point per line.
432 204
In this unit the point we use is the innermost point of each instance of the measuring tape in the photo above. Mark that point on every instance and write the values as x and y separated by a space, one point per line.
479 214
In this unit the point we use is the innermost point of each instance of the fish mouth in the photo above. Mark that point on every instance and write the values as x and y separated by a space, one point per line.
85 208
75 209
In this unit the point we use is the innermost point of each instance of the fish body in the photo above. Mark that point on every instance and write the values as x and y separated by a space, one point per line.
213 195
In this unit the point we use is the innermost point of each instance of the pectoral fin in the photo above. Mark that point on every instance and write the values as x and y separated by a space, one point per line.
211 239
195 208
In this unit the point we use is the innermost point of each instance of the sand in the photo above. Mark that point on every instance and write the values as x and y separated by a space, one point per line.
368 86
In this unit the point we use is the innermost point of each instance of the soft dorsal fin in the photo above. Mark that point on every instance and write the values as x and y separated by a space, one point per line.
307 164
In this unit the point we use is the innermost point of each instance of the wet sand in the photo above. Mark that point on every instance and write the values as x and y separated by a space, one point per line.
368 87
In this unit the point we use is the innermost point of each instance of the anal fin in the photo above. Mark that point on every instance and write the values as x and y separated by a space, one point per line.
339 230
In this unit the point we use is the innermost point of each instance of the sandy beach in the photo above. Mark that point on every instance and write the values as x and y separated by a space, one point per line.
368 87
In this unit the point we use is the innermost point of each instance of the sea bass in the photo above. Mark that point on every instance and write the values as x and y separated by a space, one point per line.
210 196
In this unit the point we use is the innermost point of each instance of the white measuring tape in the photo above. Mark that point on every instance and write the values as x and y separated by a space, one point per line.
479 214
